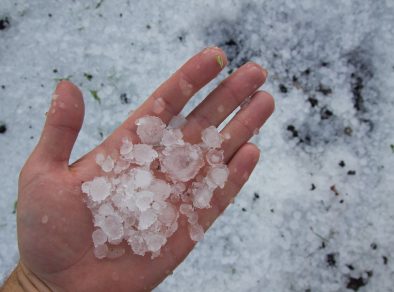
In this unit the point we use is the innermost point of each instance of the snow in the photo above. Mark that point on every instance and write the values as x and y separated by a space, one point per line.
309 48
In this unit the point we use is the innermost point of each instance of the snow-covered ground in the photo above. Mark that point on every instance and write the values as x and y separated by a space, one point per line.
318 213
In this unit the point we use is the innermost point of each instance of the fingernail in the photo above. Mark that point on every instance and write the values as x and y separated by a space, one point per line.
265 72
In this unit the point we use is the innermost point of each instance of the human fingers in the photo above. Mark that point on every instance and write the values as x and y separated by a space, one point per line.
224 99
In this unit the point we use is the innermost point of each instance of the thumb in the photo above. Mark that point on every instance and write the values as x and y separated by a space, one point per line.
63 123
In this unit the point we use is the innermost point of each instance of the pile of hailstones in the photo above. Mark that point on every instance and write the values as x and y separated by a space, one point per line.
149 185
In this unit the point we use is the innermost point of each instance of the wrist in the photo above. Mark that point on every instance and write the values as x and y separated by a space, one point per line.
21 279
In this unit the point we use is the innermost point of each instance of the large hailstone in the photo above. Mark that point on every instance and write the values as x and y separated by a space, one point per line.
182 162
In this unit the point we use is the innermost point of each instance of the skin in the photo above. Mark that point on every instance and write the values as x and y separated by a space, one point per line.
54 224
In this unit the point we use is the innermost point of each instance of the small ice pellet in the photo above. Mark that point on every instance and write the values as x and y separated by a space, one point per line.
100 158
177 122
196 232
211 137
192 218
215 156
172 137
150 129
143 200
108 164
154 241
99 237
99 189
142 177
101 251
186 209
218 175
146 219
144 154
202 195
126 147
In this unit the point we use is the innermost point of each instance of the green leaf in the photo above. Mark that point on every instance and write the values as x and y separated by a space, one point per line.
88 76
219 60
15 205
95 95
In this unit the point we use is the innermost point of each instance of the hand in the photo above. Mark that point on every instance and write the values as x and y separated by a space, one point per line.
54 224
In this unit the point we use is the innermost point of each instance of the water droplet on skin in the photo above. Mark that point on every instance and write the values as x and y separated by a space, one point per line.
76 105
44 219
220 108
62 104
55 96
158 106
186 87
227 136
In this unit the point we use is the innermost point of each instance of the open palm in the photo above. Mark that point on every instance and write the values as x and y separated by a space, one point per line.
54 224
